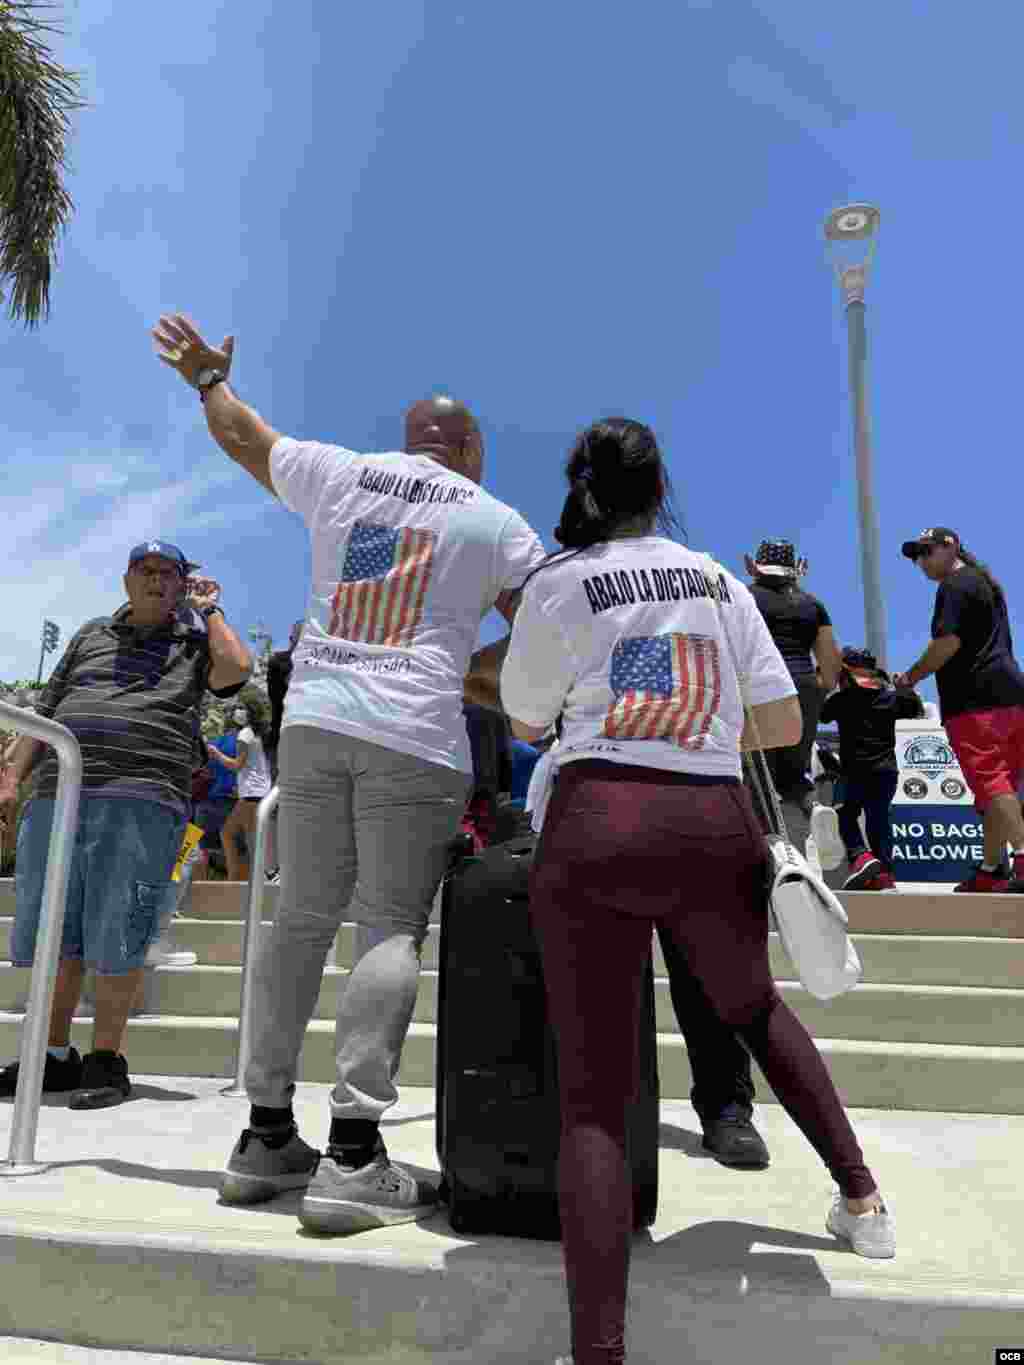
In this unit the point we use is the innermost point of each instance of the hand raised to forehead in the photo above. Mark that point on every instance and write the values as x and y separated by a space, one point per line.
202 592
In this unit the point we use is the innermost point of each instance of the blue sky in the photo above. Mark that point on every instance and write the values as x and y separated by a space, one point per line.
555 212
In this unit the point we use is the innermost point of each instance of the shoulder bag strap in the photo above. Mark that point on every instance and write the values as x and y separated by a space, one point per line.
754 761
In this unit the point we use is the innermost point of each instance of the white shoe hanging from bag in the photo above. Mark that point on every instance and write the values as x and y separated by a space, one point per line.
811 854
825 832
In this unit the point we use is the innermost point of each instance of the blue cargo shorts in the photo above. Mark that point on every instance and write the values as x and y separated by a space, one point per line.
120 880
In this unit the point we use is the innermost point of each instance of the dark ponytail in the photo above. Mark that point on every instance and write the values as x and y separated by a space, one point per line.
986 573
582 523
616 475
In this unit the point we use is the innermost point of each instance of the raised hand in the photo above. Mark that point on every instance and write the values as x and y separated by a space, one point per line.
202 592
180 345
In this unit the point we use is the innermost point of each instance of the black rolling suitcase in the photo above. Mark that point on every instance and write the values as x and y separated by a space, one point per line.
497 1118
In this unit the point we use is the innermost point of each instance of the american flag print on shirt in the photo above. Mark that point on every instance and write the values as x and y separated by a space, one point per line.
665 687
384 582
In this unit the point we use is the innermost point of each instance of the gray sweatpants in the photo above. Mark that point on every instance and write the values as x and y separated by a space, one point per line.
363 832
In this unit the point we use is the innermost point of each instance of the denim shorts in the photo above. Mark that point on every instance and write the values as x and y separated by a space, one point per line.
119 883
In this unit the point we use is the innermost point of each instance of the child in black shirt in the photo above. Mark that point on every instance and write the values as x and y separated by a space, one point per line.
867 707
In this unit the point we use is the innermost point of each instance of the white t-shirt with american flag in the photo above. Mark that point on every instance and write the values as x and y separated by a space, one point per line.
407 558
625 641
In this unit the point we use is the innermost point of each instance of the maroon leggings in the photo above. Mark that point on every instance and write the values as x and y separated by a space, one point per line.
625 848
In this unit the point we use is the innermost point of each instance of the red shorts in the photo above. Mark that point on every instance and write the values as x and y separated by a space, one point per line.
990 748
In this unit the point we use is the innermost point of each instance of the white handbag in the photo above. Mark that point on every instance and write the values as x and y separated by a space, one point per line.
810 919
542 781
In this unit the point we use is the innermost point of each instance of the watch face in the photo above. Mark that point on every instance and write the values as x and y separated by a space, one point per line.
205 377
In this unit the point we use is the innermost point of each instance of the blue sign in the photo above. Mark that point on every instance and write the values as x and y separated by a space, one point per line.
937 832
935 843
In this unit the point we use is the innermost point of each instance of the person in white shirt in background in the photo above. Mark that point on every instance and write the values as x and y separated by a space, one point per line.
253 773
409 554
649 825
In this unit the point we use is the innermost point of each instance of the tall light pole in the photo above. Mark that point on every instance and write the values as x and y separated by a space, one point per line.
260 633
51 635
851 232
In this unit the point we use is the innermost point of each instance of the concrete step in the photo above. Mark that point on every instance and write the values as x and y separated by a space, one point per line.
919 1076
33 1351
122 1244
893 959
918 912
977 1016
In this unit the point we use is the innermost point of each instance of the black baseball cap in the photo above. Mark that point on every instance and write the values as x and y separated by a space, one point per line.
165 550
934 535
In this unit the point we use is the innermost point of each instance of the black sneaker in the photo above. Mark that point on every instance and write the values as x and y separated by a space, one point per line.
57 1075
1015 875
104 1081
734 1141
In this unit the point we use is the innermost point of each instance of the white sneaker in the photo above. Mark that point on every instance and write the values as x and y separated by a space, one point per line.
869 1234
164 952
378 1195
825 832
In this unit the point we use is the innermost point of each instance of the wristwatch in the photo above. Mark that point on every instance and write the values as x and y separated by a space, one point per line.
206 379
207 612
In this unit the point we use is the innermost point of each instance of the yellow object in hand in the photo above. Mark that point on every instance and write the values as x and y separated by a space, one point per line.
191 837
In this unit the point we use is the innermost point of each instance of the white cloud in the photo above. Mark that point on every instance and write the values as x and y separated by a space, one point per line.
67 549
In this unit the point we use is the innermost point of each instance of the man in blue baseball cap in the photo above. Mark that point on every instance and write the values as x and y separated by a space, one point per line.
161 549
128 688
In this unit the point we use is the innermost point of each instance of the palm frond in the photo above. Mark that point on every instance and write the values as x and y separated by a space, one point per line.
37 97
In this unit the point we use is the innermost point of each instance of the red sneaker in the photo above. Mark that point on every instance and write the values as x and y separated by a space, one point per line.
865 868
887 879
877 883
983 881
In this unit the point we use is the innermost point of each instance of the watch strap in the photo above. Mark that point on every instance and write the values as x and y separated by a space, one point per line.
207 612
219 377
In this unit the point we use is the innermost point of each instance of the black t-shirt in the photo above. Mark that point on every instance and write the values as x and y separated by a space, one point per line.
867 725
794 619
983 674
279 672
489 742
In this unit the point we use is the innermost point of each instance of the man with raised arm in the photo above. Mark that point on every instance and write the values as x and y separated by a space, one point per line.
408 554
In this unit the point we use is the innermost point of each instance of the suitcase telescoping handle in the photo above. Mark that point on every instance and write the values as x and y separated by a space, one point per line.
520 848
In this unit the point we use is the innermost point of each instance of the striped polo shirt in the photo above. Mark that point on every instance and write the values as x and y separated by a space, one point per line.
131 699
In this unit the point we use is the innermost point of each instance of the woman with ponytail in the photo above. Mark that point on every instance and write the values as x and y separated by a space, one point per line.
630 637
981 696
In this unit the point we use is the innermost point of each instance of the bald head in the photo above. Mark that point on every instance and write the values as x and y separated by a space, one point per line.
446 431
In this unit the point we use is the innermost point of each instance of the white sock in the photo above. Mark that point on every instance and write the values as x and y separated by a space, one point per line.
61 1053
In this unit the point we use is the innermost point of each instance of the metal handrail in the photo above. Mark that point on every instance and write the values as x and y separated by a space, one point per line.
36 1032
250 939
